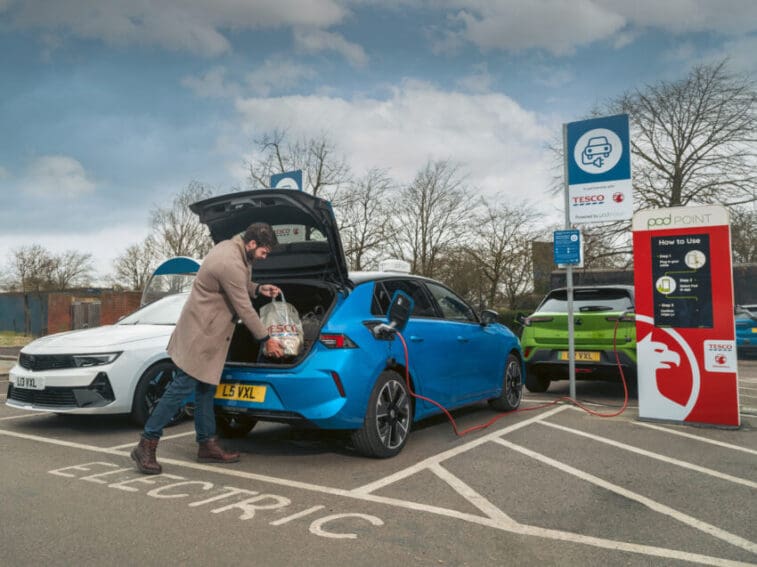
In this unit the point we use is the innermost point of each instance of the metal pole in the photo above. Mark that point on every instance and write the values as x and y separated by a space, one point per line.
569 272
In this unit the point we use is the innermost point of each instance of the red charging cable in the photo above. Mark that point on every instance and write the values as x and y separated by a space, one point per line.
541 406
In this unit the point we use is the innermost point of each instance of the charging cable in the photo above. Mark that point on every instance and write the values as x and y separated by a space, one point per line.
383 331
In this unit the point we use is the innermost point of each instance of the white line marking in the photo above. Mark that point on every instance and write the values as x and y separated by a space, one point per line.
164 438
23 415
471 495
714 531
659 457
751 397
748 389
425 463
702 439
521 529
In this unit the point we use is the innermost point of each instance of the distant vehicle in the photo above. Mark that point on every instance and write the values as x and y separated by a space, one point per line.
346 376
597 150
121 368
596 309
746 330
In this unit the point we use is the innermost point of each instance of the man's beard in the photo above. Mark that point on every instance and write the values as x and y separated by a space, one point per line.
250 255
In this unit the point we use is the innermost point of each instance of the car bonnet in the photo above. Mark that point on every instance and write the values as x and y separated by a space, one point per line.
293 214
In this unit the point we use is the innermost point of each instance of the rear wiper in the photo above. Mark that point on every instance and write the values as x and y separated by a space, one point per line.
594 308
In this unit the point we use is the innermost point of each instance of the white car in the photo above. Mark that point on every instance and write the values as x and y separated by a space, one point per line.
113 369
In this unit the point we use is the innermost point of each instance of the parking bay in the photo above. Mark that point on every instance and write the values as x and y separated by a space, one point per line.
550 486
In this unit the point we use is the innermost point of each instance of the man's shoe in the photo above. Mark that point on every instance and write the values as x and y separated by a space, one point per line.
211 452
144 455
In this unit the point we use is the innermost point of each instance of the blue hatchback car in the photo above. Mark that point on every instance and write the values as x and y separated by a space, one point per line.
746 330
347 376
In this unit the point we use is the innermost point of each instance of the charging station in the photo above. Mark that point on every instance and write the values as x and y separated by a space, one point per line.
685 334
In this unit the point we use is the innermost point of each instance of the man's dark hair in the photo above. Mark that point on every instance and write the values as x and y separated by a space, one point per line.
262 233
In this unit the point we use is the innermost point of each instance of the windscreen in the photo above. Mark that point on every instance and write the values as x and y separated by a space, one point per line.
164 311
587 300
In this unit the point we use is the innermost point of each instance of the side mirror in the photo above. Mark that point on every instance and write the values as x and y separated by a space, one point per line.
399 310
520 318
489 316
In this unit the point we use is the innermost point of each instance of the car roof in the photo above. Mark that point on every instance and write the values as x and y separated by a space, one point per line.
362 277
613 286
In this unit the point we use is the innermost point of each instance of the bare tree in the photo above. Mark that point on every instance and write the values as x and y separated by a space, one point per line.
744 235
434 215
30 268
70 269
176 230
135 266
324 170
693 140
363 219
503 250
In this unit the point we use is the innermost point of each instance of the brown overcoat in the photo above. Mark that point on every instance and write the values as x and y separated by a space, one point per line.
220 295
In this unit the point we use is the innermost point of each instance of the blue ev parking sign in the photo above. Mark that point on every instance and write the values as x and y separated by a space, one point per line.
599 169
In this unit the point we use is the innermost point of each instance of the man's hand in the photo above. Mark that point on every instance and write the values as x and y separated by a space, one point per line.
269 290
274 348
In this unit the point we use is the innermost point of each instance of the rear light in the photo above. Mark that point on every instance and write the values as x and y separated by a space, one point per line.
527 351
537 319
336 341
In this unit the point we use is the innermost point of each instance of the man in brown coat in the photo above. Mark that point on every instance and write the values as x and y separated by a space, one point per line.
200 342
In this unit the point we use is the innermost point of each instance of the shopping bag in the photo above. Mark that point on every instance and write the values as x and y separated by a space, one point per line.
283 323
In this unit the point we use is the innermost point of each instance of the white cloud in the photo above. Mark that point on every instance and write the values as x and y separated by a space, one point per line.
277 74
497 142
3 172
211 84
479 81
57 176
315 40
561 26
196 26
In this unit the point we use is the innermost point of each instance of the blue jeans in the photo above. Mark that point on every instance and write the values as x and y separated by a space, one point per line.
174 397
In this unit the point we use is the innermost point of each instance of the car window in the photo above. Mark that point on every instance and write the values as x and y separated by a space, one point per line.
384 291
587 300
164 311
451 305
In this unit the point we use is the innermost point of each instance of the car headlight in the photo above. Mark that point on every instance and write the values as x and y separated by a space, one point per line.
83 360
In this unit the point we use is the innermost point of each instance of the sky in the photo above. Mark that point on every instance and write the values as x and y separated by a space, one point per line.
109 108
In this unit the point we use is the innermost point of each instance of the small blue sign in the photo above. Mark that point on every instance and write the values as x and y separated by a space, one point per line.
287 180
598 150
567 246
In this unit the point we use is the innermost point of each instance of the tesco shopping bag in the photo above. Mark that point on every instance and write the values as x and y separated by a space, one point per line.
283 323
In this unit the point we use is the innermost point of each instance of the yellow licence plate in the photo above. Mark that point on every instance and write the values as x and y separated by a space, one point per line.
582 355
241 392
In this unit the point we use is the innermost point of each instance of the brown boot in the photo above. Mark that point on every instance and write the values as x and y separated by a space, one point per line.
211 452
144 455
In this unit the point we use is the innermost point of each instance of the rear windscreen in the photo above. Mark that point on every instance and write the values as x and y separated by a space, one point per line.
587 300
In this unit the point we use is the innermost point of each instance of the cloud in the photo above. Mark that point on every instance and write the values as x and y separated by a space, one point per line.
57 176
500 144
479 81
196 26
314 40
211 84
561 26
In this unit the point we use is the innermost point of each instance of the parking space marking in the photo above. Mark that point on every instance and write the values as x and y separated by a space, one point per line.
697 438
164 438
19 416
695 523
426 463
471 495
650 454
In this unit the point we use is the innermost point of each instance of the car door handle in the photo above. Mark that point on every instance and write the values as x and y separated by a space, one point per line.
416 339
463 339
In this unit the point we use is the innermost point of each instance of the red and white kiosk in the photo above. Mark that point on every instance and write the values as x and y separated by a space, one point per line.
685 336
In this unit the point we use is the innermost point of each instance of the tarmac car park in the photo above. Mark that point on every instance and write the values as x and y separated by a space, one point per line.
549 486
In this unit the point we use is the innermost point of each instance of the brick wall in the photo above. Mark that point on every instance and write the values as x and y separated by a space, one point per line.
58 312
115 305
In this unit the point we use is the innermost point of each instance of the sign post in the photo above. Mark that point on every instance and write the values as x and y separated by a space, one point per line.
597 173
687 369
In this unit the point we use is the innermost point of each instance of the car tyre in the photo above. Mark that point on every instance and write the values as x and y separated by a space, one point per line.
151 387
536 383
387 420
512 387
233 426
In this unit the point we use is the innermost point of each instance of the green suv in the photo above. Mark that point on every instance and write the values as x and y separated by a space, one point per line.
596 311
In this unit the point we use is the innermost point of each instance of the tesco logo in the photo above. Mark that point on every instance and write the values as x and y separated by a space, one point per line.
588 199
